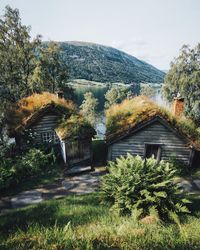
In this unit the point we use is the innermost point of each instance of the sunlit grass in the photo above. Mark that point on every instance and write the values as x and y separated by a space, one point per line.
84 222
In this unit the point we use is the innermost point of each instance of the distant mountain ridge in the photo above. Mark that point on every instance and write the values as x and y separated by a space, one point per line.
101 63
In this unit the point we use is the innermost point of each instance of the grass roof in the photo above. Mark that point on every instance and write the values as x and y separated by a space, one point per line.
76 126
122 117
24 109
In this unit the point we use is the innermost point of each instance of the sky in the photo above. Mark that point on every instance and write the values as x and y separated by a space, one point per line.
151 30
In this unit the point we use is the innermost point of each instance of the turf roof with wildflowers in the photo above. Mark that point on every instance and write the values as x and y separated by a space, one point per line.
75 127
122 117
29 108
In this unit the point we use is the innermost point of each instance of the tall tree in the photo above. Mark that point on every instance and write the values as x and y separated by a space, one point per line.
17 63
17 56
116 94
89 107
147 90
51 73
184 78
135 88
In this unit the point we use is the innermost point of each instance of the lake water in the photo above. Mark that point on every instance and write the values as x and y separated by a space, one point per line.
98 92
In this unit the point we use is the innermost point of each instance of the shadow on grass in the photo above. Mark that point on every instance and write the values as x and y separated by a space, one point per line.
78 210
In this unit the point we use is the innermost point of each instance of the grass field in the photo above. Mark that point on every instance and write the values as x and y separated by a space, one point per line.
84 222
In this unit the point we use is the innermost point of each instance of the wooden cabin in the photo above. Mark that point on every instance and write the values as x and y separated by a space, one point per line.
140 127
42 119
75 138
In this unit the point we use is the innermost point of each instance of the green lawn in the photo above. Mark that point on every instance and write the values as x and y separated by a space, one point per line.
84 222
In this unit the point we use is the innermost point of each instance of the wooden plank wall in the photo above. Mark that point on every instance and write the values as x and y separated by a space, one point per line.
47 123
73 154
172 145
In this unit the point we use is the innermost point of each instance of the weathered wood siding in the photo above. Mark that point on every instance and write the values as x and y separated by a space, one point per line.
46 123
172 145
78 151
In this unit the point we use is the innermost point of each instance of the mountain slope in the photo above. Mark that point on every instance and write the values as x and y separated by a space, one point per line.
105 64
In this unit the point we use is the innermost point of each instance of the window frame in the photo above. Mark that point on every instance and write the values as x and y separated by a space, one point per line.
49 137
159 145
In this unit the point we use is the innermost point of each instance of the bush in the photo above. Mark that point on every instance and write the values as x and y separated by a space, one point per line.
7 173
134 184
33 163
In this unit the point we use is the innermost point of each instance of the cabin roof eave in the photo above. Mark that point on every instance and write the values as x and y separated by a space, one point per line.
113 138
35 117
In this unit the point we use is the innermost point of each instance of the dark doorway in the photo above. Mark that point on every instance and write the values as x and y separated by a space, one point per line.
196 160
153 150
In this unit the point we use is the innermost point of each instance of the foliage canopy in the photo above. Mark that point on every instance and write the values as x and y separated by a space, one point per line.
184 78
116 94
89 107
17 56
147 90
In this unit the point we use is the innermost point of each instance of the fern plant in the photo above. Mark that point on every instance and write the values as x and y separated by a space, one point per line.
136 184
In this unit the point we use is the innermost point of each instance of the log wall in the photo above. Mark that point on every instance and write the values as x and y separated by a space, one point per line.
171 144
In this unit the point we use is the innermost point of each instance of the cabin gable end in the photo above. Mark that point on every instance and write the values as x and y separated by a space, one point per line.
156 136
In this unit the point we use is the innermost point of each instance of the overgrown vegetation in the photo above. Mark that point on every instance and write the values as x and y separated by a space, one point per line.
83 222
19 113
33 163
147 90
51 72
129 113
75 126
88 108
26 66
116 94
184 78
136 187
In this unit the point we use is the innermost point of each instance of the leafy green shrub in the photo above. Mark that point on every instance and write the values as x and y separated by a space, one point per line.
134 184
32 163
7 172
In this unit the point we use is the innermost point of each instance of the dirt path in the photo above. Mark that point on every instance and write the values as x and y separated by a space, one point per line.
72 185
77 185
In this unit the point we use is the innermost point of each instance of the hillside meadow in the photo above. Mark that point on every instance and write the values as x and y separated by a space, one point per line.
85 222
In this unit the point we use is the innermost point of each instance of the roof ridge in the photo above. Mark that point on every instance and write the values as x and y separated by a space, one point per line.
138 126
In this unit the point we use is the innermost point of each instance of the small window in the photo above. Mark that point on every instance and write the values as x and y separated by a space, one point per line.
153 150
49 137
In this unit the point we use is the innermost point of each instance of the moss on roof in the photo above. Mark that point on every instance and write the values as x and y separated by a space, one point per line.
24 109
128 114
76 126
